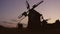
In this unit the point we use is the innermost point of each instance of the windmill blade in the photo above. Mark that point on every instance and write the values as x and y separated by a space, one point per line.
24 13
39 3
34 6
19 16
28 6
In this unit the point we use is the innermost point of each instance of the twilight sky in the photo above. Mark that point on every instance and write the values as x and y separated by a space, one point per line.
10 9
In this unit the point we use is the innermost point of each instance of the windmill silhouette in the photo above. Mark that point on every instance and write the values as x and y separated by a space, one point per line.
28 7
34 22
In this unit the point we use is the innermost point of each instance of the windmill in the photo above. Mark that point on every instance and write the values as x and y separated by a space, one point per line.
28 7
33 16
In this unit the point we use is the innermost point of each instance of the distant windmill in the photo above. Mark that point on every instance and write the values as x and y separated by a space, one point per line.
33 16
28 7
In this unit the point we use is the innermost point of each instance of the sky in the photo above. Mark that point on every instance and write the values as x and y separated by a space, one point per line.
10 9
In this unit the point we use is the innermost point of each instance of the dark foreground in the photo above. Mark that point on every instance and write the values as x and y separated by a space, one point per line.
4 30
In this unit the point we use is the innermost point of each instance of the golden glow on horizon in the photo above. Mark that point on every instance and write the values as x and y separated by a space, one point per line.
51 21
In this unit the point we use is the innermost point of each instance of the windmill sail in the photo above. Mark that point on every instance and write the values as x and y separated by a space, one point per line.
34 6
28 6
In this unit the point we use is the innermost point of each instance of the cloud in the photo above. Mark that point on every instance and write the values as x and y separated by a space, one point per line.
12 22
8 24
